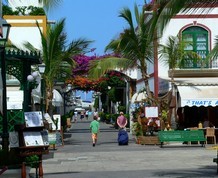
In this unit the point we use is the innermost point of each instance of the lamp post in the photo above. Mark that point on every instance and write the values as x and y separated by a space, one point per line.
42 71
32 79
3 39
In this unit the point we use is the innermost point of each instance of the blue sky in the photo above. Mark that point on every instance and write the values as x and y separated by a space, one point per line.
93 19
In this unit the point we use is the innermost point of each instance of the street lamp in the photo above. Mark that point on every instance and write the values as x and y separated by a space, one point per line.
3 39
42 71
41 68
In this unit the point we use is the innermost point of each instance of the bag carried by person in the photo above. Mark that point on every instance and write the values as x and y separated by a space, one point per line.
123 138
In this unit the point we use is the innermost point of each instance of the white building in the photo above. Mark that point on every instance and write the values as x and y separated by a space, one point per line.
196 82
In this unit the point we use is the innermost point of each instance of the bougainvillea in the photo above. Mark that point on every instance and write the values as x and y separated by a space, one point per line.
82 64
80 81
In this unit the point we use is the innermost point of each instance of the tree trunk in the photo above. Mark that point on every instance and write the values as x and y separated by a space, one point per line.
49 106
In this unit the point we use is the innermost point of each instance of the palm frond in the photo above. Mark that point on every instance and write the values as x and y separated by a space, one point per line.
127 15
213 55
30 47
99 67
169 8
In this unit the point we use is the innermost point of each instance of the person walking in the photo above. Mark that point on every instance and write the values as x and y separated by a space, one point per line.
94 127
87 115
75 116
82 115
123 138
121 121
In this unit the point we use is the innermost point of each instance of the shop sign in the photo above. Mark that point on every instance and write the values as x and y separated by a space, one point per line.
199 102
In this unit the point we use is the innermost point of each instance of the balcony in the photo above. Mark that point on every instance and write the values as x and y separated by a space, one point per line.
191 68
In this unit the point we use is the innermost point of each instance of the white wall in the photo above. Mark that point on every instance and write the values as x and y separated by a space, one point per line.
177 24
20 35
17 3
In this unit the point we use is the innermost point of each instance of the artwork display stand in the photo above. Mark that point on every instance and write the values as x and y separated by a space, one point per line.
55 134
32 140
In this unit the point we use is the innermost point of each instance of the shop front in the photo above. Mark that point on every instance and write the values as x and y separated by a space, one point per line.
197 104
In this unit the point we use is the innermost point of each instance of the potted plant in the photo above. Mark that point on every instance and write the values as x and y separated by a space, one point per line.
33 162
164 119
137 130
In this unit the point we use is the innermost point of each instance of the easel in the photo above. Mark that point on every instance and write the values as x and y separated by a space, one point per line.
25 150
53 145
29 151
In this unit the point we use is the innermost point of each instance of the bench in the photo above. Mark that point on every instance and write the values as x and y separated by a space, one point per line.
182 136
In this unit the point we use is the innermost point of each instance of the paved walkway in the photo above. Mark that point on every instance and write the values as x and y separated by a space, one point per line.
78 159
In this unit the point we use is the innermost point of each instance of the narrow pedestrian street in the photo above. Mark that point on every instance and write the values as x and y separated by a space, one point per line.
79 159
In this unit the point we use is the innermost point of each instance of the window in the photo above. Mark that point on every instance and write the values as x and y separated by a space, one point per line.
196 39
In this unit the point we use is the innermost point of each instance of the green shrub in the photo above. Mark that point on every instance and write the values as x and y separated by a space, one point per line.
137 129
102 115
122 108
108 118
32 161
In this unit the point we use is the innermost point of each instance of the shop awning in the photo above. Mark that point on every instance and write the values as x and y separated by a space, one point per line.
57 98
198 96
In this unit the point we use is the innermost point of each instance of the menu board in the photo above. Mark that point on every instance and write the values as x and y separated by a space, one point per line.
33 119
151 111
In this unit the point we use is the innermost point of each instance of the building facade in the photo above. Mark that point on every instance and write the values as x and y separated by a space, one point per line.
196 81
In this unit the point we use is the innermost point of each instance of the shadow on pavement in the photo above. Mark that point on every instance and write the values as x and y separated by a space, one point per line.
205 171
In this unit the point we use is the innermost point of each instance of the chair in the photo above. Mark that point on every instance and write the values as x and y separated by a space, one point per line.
210 132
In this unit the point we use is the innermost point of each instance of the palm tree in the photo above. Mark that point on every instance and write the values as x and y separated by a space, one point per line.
214 52
134 46
58 57
172 54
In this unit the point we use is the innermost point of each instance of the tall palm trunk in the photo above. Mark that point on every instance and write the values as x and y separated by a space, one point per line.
173 113
49 106
145 79
173 102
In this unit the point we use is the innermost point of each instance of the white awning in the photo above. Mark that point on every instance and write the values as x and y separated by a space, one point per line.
56 101
198 96
57 98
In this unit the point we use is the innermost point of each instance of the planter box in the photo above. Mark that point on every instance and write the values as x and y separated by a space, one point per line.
148 140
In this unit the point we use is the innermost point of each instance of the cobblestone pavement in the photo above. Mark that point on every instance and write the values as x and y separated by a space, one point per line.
78 158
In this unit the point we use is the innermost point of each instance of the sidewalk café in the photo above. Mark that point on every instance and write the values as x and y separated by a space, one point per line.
197 105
